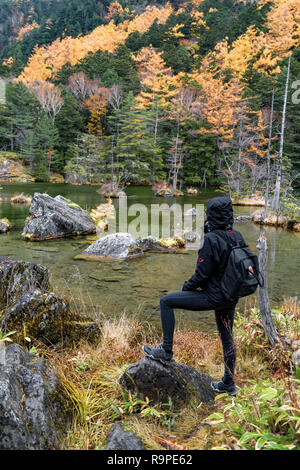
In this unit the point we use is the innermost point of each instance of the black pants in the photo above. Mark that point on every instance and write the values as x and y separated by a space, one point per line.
198 301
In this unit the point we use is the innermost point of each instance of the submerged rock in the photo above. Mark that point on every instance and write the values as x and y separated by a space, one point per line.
114 246
192 211
45 317
243 218
55 218
190 236
193 240
158 382
120 439
19 277
34 412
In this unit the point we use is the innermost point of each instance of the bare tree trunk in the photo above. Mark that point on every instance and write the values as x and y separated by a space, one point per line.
238 170
263 297
268 156
112 160
276 197
154 142
175 159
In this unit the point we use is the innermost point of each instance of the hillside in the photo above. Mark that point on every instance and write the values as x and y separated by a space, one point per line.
176 91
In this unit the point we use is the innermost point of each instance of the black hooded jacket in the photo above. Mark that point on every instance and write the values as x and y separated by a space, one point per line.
213 256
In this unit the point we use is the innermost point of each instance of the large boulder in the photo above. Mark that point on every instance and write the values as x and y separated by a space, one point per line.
19 277
120 246
27 307
55 218
119 439
34 412
158 382
114 246
45 317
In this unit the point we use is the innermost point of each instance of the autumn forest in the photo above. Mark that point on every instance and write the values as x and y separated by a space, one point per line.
190 93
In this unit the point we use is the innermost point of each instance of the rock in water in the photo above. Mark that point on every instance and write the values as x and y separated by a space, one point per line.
5 226
34 412
19 277
150 243
114 246
158 382
119 439
47 318
55 218
243 218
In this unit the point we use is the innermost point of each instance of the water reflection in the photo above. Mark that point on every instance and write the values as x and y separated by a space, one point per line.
137 285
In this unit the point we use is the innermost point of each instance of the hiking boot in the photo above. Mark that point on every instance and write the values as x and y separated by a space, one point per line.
158 353
220 387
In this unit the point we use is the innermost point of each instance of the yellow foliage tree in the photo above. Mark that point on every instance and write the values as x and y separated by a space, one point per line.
47 60
155 77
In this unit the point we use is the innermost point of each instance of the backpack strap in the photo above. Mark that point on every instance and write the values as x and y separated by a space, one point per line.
259 276
228 239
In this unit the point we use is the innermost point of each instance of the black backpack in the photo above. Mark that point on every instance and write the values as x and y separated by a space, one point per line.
241 276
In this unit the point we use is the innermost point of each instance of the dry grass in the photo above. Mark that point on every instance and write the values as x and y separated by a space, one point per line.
90 376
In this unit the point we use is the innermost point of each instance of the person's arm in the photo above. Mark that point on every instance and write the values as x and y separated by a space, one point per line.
206 263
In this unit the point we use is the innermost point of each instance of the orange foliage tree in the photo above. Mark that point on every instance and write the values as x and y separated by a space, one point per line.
47 60
115 10
96 103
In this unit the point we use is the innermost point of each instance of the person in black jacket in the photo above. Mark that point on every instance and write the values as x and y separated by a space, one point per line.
211 263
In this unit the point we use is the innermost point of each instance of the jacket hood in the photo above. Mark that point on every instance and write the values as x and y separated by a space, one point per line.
219 213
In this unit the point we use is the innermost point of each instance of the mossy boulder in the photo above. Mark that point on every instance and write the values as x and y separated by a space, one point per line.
18 277
270 219
154 244
45 317
55 218
5 225
34 411
28 307
159 382
120 439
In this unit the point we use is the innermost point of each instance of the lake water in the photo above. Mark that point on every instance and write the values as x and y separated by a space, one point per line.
137 285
